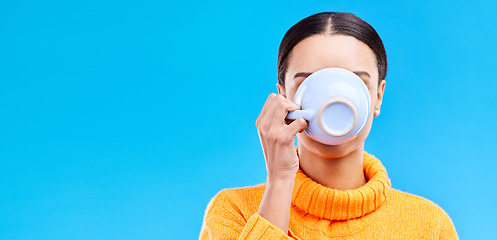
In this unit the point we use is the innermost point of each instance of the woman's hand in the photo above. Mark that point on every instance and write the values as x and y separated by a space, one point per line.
278 138
282 163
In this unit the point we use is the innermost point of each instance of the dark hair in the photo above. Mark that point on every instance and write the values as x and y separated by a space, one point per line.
330 23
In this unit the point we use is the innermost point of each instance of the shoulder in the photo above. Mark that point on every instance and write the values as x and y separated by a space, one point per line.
236 201
415 203
243 194
422 211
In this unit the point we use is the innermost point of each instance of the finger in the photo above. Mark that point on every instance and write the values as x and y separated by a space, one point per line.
265 108
266 121
297 126
281 111
272 106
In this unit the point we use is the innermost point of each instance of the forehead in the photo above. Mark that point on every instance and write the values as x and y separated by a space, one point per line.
323 51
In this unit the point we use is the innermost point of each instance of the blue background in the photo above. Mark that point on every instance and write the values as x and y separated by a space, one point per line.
122 119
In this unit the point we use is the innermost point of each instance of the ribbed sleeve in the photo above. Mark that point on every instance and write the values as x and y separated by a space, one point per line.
260 228
223 220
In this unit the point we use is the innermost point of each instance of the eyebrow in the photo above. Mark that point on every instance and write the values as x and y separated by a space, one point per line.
306 74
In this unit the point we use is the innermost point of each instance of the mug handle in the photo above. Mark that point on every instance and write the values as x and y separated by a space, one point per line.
305 114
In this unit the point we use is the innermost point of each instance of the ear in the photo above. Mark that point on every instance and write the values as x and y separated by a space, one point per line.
379 98
281 89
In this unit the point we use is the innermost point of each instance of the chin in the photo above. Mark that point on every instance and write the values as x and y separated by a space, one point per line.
332 151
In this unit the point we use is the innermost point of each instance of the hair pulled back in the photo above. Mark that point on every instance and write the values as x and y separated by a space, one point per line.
331 23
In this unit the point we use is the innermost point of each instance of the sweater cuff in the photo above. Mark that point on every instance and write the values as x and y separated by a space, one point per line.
258 227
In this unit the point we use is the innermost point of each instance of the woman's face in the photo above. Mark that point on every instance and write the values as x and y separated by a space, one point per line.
321 51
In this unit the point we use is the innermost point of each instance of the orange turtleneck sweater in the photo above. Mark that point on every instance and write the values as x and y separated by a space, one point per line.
373 211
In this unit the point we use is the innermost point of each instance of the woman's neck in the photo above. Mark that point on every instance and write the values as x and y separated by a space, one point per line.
342 173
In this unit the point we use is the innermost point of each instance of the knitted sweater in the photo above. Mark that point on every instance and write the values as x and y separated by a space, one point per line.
373 211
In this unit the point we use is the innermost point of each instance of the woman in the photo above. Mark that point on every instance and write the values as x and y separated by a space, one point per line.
323 191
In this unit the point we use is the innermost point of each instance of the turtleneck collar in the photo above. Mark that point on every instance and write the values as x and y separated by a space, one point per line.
333 204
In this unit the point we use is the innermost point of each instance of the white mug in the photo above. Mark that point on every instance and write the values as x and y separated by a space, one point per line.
336 104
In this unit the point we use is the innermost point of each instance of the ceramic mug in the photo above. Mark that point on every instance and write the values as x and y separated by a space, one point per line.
336 104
